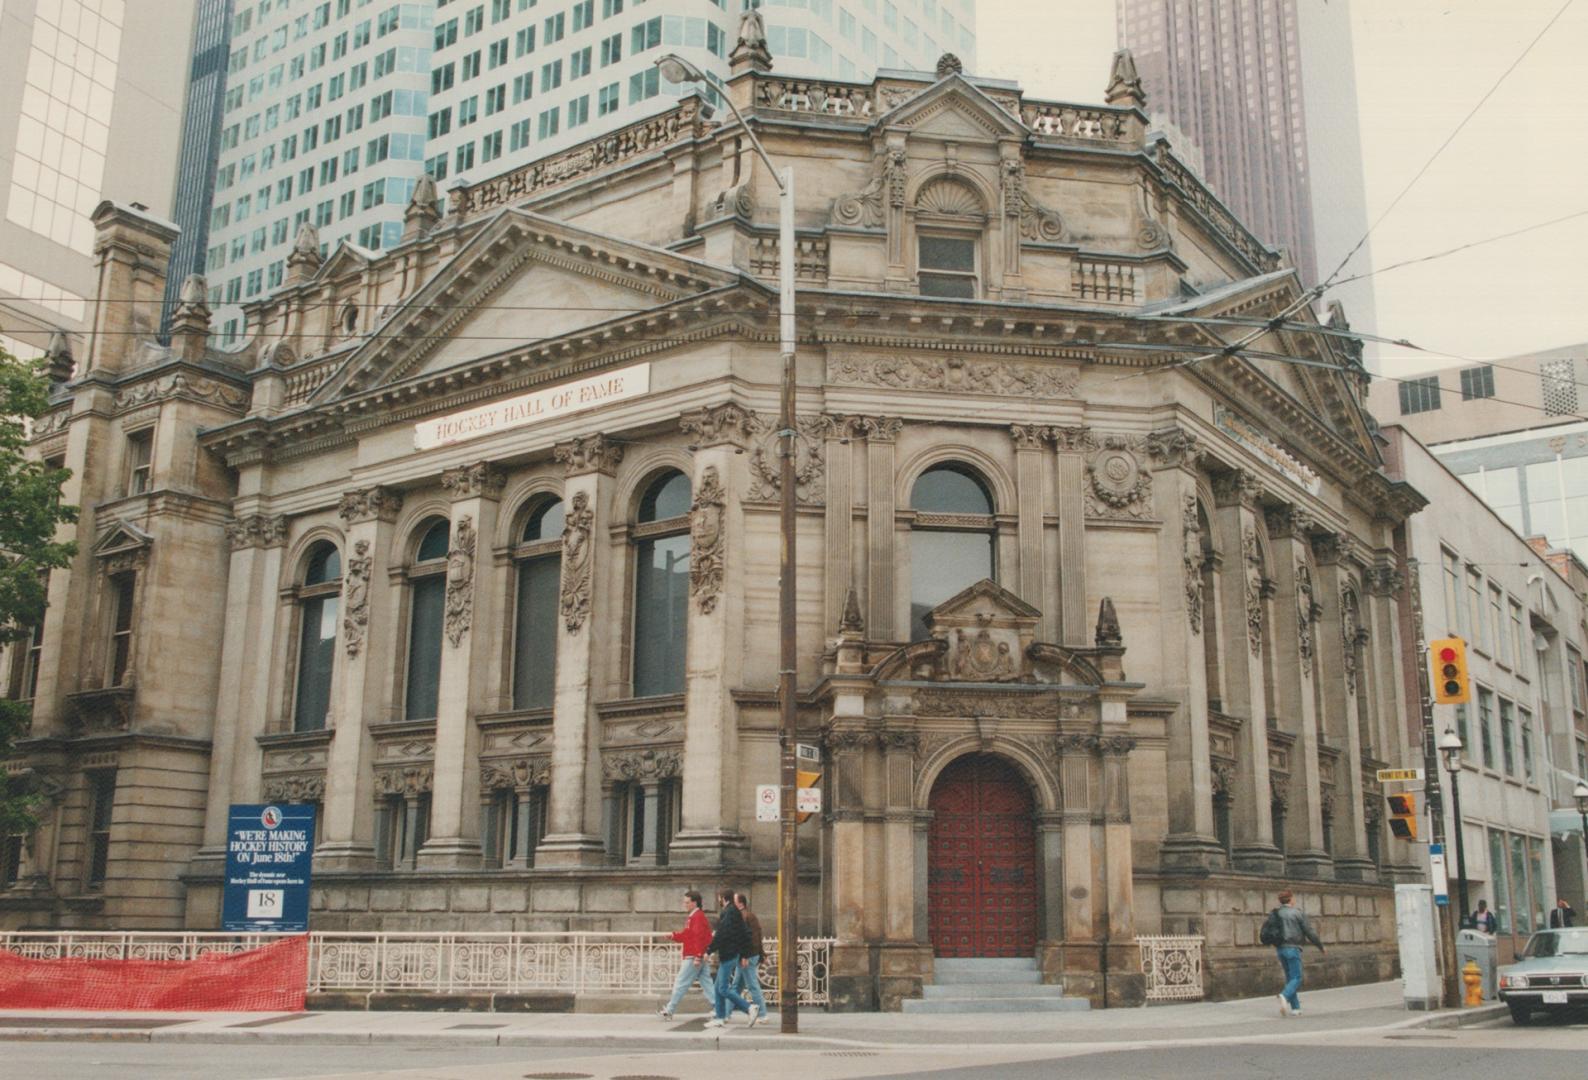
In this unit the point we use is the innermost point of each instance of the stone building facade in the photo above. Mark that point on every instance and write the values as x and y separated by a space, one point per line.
475 547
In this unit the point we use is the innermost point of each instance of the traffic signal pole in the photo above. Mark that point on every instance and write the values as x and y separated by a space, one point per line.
1436 814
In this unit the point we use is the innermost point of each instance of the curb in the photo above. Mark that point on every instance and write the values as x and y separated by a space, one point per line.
224 1037
1465 1017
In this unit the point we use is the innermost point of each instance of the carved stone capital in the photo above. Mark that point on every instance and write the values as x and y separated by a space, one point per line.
370 504
1174 448
901 742
257 531
882 429
481 479
1072 440
715 425
1328 547
1028 436
1288 522
588 453
842 742
1384 581
1237 488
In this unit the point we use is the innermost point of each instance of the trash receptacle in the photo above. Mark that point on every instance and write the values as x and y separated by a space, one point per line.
1480 948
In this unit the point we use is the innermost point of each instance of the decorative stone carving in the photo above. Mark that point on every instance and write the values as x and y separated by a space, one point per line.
982 658
750 50
1286 522
956 374
410 782
1124 85
810 463
1252 558
515 775
355 598
861 209
642 765
873 428
1036 222
949 64
1075 745
1027 436
1118 486
370 504
1108 635
1007 705
180 385
481 479
460 580
715 425
1306 614
588 453
842 742
1223 780
894 171
739 201
51 422
1237 488
1191 558
1384 581
575 599
901 742
1279 793
852 624
257 530
1115 745
1174 448
1072 440
1351 635
302 788
707 541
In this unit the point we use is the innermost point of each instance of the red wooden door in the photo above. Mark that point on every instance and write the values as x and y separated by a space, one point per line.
982 861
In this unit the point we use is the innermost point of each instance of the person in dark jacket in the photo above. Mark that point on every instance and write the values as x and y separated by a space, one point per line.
1292 930
748 978
731 941
1564 915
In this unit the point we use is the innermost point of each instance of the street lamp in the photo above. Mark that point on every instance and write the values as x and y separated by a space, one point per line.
1450 747
675 69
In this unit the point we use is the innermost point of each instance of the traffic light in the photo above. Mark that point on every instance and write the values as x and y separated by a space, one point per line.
1448 657
1403 815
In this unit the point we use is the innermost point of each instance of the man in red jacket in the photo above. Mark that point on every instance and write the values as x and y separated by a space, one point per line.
694 937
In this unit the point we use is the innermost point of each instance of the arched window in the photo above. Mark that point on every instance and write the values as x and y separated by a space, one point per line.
318 602
427 595
949 221
661 585
952 543
538 558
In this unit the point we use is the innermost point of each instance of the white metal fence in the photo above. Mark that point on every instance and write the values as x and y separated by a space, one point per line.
635 964
1173 967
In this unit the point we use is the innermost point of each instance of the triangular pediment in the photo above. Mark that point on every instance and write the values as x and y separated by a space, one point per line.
348 258
953 107
121 537
984 604
521 280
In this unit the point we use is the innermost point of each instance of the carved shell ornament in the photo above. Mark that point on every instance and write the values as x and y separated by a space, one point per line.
949 198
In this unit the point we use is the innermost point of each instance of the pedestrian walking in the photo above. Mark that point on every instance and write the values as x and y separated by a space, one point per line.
1563 916
695 937
731 941
1287 929
747 980
1483 919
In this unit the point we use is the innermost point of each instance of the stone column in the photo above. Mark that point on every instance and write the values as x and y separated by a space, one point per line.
847 740
1191 841
364 687
472 625
1340 684
1070 481
1294 638
899 747
1078 784
1029 449
709 833
1241 593
880 433
578 811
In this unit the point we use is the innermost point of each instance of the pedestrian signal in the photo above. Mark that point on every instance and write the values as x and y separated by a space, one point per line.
1448 656
1403 815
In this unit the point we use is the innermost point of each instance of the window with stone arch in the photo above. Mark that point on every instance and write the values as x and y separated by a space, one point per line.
427 596
953 539
661 585
537 563
950 220
319 597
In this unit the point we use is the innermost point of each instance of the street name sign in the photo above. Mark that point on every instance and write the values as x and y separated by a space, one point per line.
1399 774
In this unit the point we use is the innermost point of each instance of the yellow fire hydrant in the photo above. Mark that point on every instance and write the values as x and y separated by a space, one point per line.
1474 980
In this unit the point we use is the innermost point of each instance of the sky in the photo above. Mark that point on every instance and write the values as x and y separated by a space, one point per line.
1421 66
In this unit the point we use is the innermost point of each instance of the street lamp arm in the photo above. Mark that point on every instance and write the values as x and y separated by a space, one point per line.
675 69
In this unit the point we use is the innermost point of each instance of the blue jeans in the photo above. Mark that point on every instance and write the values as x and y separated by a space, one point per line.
747 977
1290 960
693 967
727 1000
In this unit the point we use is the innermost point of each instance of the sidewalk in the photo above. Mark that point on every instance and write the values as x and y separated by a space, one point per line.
1353 1008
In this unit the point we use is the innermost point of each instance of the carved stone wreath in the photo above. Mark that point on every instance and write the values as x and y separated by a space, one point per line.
810 463
707 542
1119 487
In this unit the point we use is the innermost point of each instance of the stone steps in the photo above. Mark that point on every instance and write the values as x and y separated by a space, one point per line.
993 985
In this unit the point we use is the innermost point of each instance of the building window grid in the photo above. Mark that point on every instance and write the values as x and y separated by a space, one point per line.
1477 382
1419 395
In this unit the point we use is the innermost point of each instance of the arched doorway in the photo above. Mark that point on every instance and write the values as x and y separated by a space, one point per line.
982 860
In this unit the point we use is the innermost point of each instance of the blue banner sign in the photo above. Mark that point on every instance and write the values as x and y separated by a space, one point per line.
268 851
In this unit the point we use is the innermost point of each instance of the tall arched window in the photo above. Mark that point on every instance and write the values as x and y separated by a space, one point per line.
952 543
427 595
949 221
538 559
318 601
661 585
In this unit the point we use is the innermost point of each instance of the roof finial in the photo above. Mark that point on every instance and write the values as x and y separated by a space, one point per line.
949 64
1124 85
750 52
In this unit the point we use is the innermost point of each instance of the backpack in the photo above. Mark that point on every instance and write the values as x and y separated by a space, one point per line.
1272 933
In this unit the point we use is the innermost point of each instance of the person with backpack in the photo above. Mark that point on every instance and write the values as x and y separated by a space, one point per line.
1287 929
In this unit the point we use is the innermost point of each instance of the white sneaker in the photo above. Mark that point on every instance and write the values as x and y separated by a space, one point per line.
664 1014
1284 1006
1295 1012
755 1017
715 1023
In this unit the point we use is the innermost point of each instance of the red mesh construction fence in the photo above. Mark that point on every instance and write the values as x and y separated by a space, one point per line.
272 978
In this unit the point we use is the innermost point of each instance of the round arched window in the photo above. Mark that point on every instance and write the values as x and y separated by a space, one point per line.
427 595
319 598
661 585
538 568
952 539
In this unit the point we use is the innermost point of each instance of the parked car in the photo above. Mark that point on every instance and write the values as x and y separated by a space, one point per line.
1552 975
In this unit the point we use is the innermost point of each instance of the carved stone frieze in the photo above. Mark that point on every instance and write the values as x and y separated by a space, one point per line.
296 788
181 385
460 580
515 774
1009 378
588 453
962 703
715 425
708 541
412 781
355 598
575 599
810 463
257 531
370 504
481 479
1191 558
1252 560
51 422
1118 486
642 765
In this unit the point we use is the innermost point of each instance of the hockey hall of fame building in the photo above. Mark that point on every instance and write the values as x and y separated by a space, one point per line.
475 546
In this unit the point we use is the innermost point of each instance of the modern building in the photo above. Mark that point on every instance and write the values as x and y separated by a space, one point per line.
1266 90
1514 430
333 109
93 103
473 545
1525 731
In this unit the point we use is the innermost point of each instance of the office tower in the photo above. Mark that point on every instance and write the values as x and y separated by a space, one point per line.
90 109
1266 90
201 131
